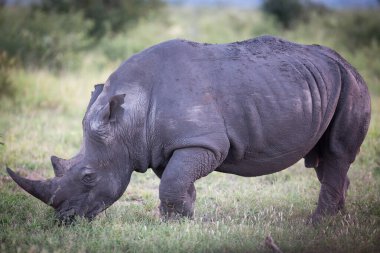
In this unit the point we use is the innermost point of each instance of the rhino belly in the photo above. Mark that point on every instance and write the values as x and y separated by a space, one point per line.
258 166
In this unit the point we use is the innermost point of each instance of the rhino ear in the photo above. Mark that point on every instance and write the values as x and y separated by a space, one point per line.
98 88
113 110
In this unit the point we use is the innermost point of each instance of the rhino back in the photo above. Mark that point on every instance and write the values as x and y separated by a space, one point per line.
270 98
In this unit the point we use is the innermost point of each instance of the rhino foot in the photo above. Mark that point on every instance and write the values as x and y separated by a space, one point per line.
176 212
176 209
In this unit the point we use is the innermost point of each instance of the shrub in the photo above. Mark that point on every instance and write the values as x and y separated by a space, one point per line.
285 11
103 13
40 39
6 64
358 28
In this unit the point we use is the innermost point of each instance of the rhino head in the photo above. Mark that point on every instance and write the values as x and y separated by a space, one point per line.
97 176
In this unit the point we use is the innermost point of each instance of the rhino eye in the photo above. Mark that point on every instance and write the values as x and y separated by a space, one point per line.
89 178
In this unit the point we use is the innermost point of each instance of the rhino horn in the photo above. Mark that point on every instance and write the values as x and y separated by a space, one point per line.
39 189
58 165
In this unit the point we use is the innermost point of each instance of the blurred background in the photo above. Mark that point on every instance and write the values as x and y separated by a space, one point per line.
64 35
52 52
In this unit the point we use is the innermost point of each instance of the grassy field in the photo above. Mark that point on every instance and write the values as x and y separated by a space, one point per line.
233 214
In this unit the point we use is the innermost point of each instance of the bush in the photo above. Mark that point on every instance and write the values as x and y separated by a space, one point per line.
40 39
285 11
358 29
6 64
113 15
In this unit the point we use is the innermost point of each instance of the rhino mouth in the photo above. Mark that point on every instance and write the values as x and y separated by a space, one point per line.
68 215
95 211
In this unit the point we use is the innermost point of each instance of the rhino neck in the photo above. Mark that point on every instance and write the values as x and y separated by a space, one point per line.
136 129
137 85
122 178
138 150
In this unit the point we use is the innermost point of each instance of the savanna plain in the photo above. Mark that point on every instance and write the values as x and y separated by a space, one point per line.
40 115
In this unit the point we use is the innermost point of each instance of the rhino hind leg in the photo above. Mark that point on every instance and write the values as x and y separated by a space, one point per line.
338 149
341 142
332 173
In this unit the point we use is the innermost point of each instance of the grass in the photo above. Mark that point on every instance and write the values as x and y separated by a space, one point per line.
233 214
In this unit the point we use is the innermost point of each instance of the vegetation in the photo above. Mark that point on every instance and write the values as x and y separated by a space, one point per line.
6 86
359 28
233 214
53 33
286 11
38 39
113 15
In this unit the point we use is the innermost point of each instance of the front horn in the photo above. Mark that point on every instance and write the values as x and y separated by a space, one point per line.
39 189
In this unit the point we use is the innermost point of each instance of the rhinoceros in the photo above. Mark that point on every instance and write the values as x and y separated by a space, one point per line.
186 109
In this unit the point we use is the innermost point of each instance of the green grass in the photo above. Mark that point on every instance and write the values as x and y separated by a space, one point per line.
233 214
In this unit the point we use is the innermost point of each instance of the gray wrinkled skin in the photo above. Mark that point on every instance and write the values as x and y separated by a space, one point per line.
186 109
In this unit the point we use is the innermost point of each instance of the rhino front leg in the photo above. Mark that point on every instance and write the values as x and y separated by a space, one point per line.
177 191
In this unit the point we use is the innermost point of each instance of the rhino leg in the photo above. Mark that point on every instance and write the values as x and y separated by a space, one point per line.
341 143
177 191
319 171
338 149
332 173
